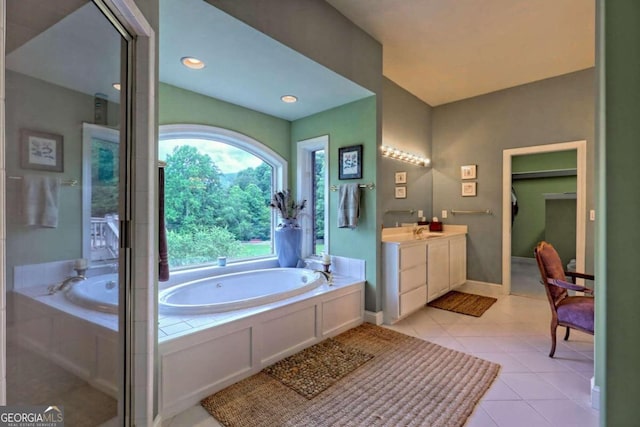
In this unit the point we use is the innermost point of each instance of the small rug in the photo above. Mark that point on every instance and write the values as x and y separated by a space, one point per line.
314 369
408 382
460 302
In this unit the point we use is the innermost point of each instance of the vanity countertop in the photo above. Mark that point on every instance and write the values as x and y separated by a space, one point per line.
406 235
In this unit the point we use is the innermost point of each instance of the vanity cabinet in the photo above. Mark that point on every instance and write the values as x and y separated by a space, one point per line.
415 272
405 278
457 261
438 269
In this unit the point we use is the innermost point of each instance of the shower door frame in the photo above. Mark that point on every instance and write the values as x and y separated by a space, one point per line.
137 400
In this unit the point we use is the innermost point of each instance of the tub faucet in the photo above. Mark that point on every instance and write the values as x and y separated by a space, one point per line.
65 284
327 276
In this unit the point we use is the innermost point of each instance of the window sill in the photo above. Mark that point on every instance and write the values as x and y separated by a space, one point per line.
189 274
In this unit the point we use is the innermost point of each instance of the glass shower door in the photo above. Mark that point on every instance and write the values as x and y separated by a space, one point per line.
63 322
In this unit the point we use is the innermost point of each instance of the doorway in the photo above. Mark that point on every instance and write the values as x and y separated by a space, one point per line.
580 197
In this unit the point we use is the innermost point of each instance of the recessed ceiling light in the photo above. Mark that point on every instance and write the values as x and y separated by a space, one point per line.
116 86
191 62
289 99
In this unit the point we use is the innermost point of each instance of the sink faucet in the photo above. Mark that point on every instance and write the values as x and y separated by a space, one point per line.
65 284
418 231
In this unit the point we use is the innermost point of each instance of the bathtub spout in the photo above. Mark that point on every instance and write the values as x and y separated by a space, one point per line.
327 276
66 283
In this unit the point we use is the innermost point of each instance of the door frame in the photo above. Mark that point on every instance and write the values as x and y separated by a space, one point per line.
581 201
137 399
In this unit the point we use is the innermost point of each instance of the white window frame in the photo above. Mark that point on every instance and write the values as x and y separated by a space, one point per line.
238 140
304 177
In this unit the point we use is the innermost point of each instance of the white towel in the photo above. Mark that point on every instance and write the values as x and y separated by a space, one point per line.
348 205
40 200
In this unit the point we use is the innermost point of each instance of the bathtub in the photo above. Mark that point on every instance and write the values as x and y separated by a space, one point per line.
98 293
237 290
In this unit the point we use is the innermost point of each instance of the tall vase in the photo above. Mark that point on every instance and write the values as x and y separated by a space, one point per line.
288 239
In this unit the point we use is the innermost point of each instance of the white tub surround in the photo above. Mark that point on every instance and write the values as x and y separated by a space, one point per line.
420 267
207 353
83 341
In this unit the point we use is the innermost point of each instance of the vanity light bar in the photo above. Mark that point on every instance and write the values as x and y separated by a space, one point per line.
394 153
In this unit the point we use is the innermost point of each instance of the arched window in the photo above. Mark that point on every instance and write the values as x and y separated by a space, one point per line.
218 185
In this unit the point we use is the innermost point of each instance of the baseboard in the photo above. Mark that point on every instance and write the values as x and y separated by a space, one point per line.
375 318
483 288
595 395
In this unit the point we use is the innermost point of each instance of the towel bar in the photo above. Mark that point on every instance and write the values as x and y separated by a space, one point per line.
369 186
476 212
69 182
402 211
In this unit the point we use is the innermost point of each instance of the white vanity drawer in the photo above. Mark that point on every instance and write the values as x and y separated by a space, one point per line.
413 255
413 277
413 300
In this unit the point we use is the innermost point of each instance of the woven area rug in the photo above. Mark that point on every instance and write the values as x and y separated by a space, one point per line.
314 369
408 382
463 303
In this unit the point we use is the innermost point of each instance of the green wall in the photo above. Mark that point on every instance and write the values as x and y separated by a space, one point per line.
37 105
530 223
347 125
618 294
180 106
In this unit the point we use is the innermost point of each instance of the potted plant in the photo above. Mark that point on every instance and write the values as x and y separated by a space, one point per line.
288 234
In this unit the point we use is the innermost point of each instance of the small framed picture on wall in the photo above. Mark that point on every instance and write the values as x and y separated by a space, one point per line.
41 151
401 192
468 172
401 177
350 162
468 189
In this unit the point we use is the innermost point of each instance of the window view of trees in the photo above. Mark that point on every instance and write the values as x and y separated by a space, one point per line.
318 205
211 213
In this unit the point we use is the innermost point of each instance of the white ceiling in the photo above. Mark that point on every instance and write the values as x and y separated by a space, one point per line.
447 50
439 50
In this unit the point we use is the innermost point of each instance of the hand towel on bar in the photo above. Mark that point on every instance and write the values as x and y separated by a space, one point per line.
348 205
40 199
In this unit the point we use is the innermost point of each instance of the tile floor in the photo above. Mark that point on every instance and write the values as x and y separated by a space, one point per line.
525 278
531 390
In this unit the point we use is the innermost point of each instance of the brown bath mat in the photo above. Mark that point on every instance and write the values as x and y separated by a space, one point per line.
316 368
460 302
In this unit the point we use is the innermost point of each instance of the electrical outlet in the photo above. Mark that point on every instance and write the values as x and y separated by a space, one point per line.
444 214
420 213
592 215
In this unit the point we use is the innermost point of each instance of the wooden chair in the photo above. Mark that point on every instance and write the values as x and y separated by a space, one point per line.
575 312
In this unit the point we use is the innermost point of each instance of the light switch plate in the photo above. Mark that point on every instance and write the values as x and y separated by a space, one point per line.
420 213
592 215
444 214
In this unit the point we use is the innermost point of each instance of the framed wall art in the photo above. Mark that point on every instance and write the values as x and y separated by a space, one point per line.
468 172
41 151
350 162
401 177
468 189
401 192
